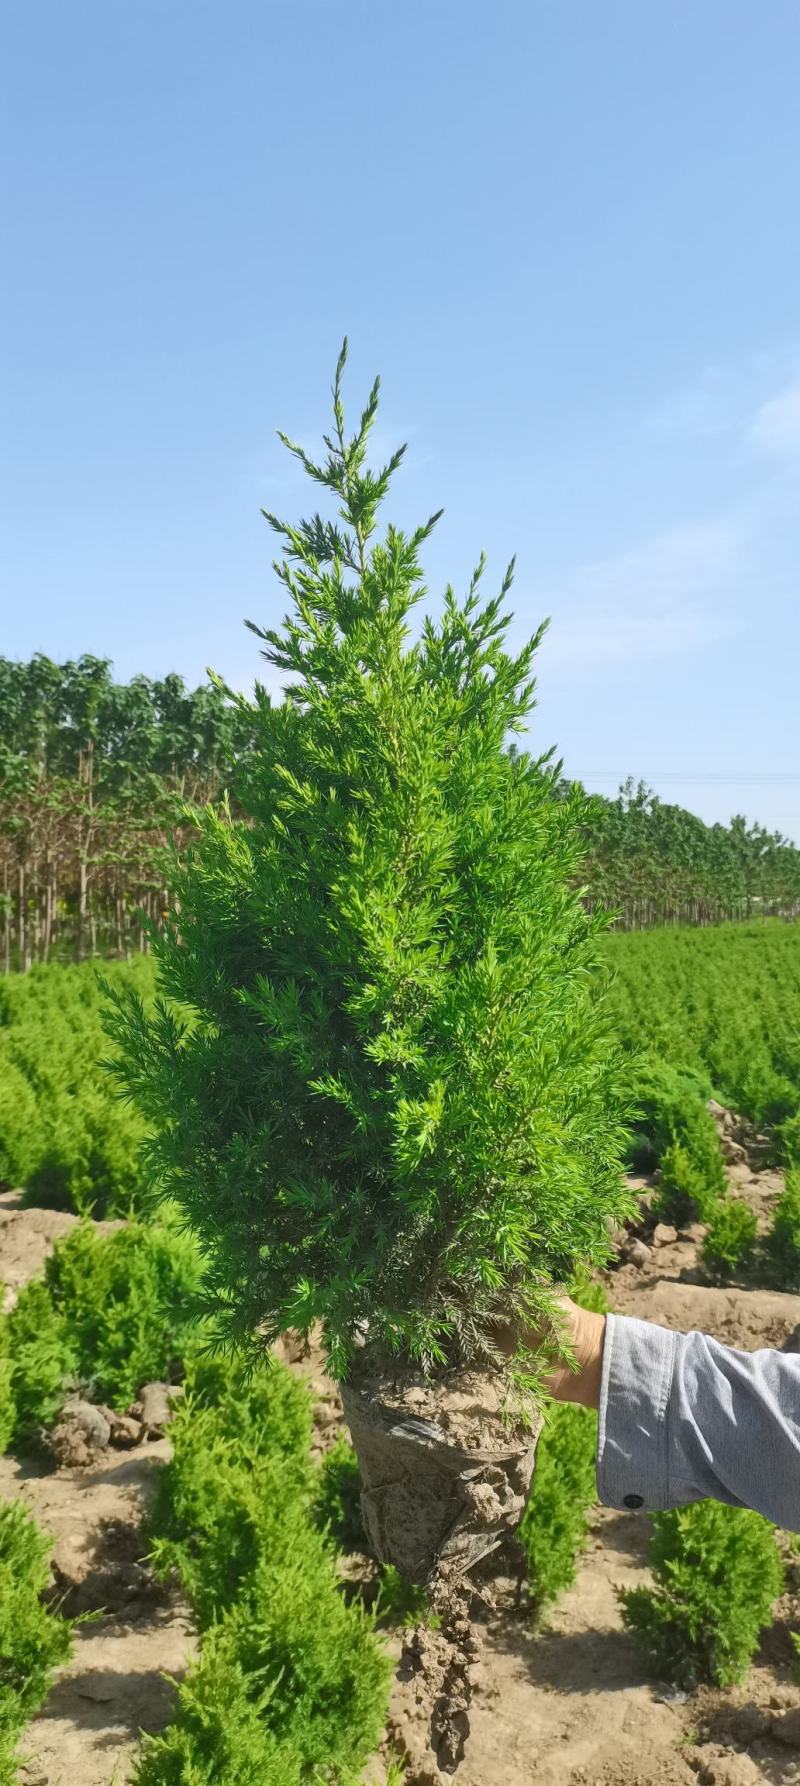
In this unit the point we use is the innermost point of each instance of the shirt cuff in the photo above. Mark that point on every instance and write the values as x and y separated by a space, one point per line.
632 1442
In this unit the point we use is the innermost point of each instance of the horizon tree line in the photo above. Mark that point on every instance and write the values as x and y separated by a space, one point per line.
96 777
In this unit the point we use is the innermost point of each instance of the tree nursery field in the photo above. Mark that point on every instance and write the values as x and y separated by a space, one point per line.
189 1548
382 1079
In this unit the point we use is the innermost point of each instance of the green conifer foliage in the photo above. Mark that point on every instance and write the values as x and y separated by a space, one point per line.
291 1684
63 1137
398 1100
730 1241
113 1311
7 1403
555 1525
692 1177
717 1572
33 1640
784 1238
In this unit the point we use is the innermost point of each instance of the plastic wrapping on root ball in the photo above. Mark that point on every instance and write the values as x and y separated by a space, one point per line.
428 1501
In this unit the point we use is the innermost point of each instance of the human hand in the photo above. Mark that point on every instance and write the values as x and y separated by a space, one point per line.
585 1330
583 1333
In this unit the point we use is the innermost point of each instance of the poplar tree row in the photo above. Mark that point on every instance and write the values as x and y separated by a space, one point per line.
658 864
95 776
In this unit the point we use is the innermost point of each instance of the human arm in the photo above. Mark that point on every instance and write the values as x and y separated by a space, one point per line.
682 1417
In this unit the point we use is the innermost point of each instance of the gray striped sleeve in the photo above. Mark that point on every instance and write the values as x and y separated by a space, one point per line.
683 1418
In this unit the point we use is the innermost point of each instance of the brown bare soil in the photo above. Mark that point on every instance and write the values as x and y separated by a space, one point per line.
88 1730
115 1686
26 1238
568 1706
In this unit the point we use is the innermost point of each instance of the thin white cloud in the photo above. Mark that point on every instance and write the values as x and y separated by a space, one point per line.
775 429
755 404
665 596
616 636
702 410
684 587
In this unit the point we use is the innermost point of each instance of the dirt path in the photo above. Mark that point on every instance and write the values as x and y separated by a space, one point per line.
88 1730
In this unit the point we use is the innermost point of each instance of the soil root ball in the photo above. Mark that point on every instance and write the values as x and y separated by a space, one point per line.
446 1478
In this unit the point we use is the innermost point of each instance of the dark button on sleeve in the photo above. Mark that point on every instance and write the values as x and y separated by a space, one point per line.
633 1501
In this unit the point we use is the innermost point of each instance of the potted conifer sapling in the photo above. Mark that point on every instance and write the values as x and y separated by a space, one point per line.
395 1112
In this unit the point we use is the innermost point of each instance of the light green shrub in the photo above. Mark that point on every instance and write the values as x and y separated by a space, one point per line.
554 1526
235 1488
19 1125
555 1523
717 1572
294 1633
8 1412
129 1300
788 1140
43 1362
33 1640
281 1696
88 1160
336 1506
668 1102
692 1178
113 1311
674 1129
719 1003
219 1735
729 1242
291 1683
64 1137
222 1506
265 1407
783 1243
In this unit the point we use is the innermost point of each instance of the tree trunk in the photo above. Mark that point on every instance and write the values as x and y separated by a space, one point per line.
80 949
6 923
21 918
37 920
48 912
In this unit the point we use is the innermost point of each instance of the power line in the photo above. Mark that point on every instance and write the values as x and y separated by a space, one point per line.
756 777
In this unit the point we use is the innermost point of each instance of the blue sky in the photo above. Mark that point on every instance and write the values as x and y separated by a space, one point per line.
567 237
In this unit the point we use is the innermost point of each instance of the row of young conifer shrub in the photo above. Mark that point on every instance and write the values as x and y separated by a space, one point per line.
715 1011
291 1678
716 1570
110 1312
65 1138
70 1143
34 1640
674 1132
